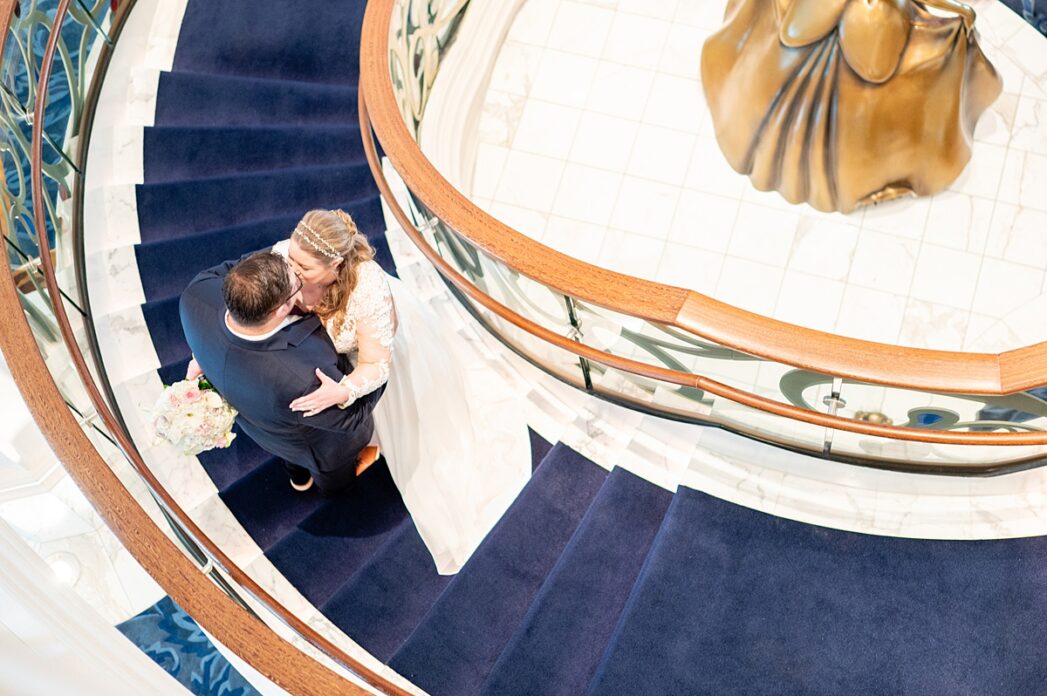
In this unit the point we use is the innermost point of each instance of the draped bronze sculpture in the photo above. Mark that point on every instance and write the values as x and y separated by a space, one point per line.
841 103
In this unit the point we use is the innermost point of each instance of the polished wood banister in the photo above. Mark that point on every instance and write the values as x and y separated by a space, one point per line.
217 613
685 379
855 359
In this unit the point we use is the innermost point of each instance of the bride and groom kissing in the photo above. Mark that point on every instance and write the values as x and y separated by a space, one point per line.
321 353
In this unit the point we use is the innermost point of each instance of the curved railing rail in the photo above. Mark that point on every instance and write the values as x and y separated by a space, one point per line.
672 351
41 341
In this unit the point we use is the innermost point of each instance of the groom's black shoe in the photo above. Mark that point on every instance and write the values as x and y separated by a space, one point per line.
301 479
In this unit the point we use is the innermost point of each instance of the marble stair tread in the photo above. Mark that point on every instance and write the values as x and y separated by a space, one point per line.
174 209
343 531
583 596
384 600
189 99
182 153
453 648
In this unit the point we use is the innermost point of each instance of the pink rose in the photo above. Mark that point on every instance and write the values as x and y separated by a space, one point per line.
192 394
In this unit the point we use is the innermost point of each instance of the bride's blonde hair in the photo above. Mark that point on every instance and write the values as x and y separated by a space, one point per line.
329 235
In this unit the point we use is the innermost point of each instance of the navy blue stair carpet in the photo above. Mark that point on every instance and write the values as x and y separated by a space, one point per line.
173 640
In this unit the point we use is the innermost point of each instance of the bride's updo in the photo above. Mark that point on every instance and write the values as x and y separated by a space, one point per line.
327 236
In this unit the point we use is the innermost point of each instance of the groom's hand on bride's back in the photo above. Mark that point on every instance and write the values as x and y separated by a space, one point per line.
329 393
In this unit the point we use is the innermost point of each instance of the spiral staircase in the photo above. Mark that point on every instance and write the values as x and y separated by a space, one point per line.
595 580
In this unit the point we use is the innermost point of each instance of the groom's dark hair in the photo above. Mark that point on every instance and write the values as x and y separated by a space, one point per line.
255 287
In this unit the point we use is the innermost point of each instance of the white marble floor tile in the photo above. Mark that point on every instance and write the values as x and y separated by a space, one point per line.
533 22
884 262
823 247
645 207
1004 287
529 181
959 222
675 102
547 129
564 78
661 154
490 162
571 15
636 40
764 235
704 220
587 194
709 172
945 276
619 90
604 142
681 56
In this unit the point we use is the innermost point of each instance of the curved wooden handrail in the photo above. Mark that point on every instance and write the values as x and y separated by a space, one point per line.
216 612
684 379
849 358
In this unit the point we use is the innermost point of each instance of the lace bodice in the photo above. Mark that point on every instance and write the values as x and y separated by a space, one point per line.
368 329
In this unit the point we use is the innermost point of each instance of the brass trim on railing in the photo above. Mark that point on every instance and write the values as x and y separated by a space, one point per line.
233 625
849 358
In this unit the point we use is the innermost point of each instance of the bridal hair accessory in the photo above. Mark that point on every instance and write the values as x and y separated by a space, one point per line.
316 241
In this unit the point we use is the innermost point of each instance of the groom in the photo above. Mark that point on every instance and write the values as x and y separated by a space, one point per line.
240 322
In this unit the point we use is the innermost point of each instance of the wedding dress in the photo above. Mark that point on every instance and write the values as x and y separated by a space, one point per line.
455 480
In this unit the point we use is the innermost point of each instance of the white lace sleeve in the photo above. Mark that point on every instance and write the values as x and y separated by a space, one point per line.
375 315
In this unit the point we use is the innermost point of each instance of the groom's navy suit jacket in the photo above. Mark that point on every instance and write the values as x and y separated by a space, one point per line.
261 378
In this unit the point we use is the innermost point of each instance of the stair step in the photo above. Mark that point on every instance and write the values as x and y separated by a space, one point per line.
266 505
307 40
162 279
227 466
580 602
165 328
326 548
200 99
176 209
179 153
386 599
456 644
734 599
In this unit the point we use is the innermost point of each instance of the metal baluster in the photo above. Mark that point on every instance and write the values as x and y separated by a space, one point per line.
833 403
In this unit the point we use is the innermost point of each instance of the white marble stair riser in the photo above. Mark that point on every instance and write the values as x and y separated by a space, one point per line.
220 526
124 341
113 282
110 218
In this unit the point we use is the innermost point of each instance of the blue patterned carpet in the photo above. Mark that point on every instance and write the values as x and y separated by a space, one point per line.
174 641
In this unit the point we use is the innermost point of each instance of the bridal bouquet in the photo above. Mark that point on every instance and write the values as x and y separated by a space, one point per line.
193 417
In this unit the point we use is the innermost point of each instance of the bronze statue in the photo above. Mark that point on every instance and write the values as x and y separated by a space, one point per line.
841 103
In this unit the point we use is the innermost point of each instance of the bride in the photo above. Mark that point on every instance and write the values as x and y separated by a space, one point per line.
455 482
